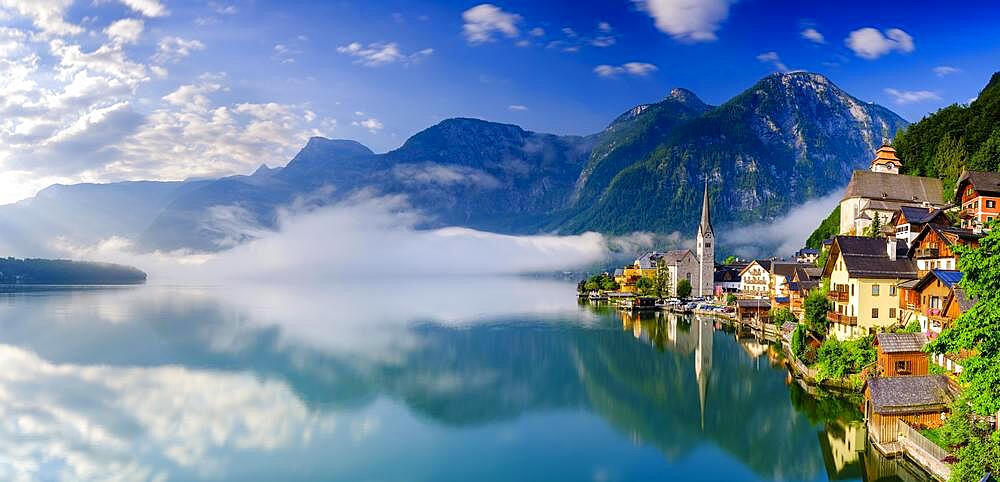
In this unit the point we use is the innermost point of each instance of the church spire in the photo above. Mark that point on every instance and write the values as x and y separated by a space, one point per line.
706 216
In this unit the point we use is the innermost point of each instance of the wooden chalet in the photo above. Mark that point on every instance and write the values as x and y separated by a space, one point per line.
934 247
909 221
978 195
920 401
901 354
934 300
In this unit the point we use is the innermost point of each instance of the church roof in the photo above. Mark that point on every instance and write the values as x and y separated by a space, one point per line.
894 187
706 215
886 155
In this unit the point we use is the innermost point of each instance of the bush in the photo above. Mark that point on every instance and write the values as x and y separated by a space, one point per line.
809 355
912 327
840 359
730 299
799 341
683 288
815 307
780 316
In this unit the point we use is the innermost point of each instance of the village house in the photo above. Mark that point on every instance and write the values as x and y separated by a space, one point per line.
804 281
909 221
921 401
934 247
781 275
978 196
727 280
927 300
755 279
807 256
754 312
864 273
901 354
881 190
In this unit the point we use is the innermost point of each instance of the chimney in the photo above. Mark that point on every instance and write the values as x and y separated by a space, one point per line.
890 247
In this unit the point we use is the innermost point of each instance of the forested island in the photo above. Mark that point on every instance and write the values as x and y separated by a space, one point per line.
15 271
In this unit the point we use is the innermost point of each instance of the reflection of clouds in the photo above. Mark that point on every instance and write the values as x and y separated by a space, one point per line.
74 422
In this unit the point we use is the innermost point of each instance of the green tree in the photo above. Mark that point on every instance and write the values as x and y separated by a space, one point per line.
827 229
729 260
912 327
683 288
977 331
815 308
780 316
874 230
661 280
821 259
592 285
987 157
644 286
730 299
609 284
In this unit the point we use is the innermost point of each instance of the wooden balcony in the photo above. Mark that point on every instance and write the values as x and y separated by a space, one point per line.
927 253
842 319
967 213
840 296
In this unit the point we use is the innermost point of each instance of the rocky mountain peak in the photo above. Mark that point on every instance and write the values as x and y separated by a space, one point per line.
685 96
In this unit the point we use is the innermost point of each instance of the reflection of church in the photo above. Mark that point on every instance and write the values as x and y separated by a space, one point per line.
703 360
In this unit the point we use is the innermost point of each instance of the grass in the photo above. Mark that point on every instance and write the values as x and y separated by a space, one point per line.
934 435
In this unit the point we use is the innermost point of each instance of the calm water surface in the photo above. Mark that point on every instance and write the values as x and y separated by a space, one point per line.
504 380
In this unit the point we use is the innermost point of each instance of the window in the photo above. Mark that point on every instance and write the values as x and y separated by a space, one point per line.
852 290
903 367
874 313
892 290
892 312
991 204
708 245
875 288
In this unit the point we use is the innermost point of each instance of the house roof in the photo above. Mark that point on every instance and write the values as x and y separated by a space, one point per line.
919 214
757 304
805 251
650 259
866 257
894 187
949 234
619 272
983 182
763 263
949 278
785 269
963 300
901 342
912 394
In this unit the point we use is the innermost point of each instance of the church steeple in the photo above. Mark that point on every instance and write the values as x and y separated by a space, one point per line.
706 216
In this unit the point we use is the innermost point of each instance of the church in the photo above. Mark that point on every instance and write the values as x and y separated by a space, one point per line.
698 266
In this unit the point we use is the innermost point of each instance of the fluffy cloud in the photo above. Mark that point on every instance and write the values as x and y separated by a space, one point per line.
813 35
638 69
911 96
372 124
173 49
869 43
687 20
773 59
943 70
483 21
149 8
126 30
377 54
46 15
517 107
444 175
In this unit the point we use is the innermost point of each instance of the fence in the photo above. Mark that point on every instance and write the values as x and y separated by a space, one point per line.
921 442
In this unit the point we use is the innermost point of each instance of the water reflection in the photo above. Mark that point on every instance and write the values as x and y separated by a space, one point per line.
451 380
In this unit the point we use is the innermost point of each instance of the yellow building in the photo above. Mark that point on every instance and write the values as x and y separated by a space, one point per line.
864 274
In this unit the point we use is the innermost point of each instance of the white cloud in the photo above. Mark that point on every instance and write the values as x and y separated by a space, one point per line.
372 124
604 27
782 236
813 35
773 59
869 43
485 20
149 8
444 175
173 49
687 20
378 54
911 96
126 30
518 107
536 32
943 70
638 69
46 15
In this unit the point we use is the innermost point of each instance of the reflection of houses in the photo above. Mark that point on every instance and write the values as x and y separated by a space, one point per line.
901 354
978 195
755 279
841 443
920 401
881 190
703 361
864 273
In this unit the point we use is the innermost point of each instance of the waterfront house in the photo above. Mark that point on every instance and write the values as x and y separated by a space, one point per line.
920 401
881 191
901 354
806 279
755 279
753 312
934 247
864 273
727 280
978 196
928 300
909 221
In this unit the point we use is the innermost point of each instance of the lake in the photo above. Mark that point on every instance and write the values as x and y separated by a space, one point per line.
414 380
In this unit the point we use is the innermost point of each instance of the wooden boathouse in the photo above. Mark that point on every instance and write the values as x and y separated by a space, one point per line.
921 401
901 354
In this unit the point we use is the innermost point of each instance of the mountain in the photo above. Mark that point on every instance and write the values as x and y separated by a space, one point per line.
789 138
953 138
464 172
65 272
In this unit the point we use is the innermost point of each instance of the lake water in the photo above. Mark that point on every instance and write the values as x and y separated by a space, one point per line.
444 380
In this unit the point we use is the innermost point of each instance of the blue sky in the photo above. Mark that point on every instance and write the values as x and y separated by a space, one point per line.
104 90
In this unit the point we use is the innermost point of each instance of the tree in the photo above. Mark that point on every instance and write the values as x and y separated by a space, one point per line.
730 299
661 280
874 230
987 158
581 287
912 327
977 331
815 307
729 260
827 229
821 259
644 286
609 284
780 316
592 285
683 288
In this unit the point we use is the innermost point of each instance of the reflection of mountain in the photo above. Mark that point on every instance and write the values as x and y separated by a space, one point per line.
681 384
